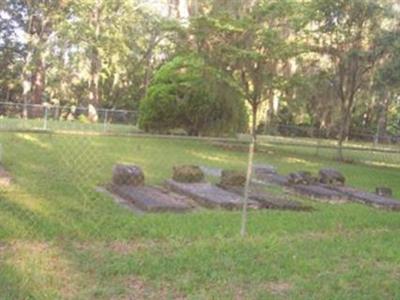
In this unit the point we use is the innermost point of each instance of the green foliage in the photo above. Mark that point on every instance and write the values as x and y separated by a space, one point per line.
83 119
113 49
186 93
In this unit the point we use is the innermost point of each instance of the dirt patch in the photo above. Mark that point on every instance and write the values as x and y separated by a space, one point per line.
138 289
124 248
5 178
44 263
278 287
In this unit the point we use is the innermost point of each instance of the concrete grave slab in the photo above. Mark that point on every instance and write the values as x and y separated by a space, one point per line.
210 171
271 178
151 199
269 200
208 195
264 169
368 198
319 192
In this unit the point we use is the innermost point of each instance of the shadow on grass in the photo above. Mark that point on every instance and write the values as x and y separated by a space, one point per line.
12 283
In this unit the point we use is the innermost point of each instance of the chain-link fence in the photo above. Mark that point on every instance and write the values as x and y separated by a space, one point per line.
89 213
363 135
70 117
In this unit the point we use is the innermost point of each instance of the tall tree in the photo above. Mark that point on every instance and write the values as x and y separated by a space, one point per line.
250 45
40 18
347 33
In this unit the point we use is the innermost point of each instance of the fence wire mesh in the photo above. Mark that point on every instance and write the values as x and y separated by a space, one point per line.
64 234
55 117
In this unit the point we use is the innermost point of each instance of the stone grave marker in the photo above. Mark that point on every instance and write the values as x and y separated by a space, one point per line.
331 176
128 184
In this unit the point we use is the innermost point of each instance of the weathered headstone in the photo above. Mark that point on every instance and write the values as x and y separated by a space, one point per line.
232 178
264 170
187 174
128 175
301 177
384 191
271 179
210 171
331 176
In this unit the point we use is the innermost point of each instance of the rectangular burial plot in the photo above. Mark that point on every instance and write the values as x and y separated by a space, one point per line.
151 199
269 200
209 195
270 178
319 192
368 198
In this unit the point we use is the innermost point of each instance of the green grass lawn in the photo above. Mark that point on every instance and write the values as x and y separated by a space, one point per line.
59 238
55 125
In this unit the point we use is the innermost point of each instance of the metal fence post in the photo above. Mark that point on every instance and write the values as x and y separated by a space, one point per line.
105 120
247 186
319 142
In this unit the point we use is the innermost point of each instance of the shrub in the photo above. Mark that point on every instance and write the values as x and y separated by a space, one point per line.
186 93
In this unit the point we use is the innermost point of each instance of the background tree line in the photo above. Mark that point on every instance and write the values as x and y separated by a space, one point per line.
330 64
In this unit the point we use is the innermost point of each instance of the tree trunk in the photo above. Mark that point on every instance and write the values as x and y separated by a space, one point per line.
254 121
26 72
95 60
382 118
193 8
39 81
94 94
344 130
270 111
173 9
8 95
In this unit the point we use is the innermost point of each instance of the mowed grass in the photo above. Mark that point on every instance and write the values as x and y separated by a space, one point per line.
56 125
60 239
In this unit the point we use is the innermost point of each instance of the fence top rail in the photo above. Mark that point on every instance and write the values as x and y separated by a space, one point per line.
66 107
